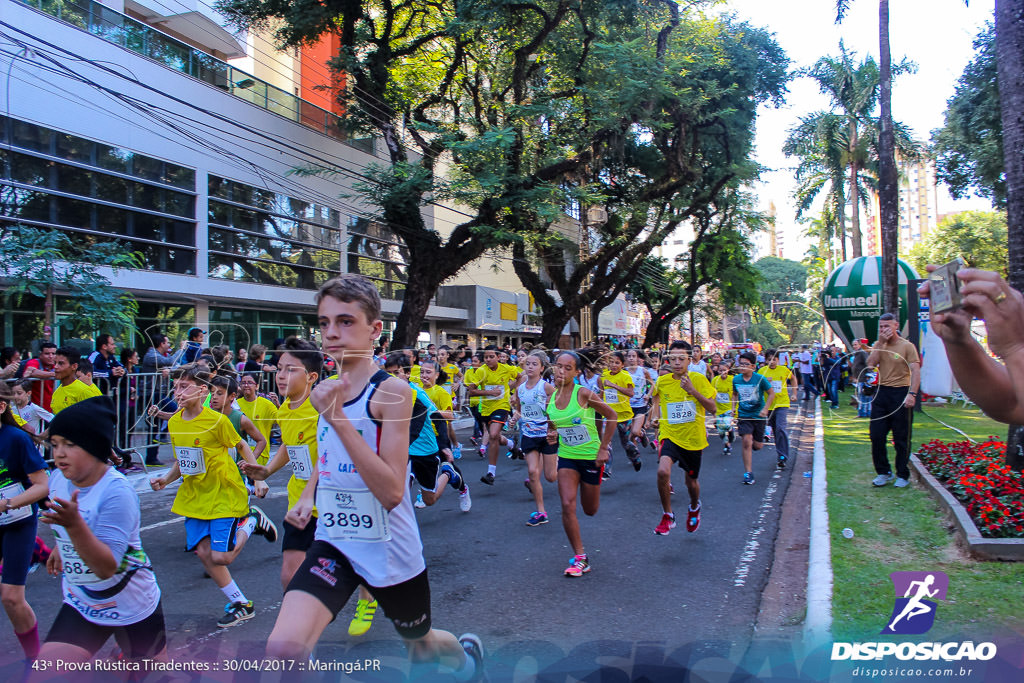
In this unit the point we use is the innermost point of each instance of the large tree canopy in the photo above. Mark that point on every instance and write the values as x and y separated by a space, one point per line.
838 149
969 146
785 316
512 111
978 236
680 156
716 264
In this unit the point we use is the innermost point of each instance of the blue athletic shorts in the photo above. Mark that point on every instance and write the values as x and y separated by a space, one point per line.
221 532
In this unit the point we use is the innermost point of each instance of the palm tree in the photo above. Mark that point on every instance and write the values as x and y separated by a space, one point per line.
817 140
854 90
888 192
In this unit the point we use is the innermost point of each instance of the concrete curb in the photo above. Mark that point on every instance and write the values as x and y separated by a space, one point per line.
1011 549
818 624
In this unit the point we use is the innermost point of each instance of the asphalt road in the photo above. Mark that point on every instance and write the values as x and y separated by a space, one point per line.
651 604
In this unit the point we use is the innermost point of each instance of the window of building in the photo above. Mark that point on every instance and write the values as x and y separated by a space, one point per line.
96 192
375 252
256 235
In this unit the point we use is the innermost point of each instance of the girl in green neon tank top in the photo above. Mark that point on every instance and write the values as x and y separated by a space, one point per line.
581 456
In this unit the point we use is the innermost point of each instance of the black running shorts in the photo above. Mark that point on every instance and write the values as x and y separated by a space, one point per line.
295 538
425 469
590 473
141 640
688 460
537 443
328 576
500 416
752 426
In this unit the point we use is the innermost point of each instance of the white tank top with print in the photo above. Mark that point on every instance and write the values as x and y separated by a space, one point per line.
383 546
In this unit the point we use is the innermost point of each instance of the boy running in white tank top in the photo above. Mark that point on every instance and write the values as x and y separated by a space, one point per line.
366 526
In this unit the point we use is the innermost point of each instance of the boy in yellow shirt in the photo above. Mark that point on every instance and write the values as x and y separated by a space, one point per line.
783 383
84 375
725 410
223 395
493 381
452 386
70 390
262 412
212 498
681 400
299 367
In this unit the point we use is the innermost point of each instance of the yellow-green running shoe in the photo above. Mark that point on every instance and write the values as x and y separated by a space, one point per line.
363 620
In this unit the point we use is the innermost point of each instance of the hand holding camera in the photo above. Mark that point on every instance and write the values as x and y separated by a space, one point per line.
973 293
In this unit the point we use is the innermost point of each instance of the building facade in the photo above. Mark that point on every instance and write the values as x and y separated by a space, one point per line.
130 122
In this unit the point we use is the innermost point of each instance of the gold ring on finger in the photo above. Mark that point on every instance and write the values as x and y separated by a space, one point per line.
1000 298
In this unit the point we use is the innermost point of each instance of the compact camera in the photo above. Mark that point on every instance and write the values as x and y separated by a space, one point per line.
944 287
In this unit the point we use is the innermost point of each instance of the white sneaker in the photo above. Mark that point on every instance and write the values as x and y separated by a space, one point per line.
419 502
901 483
465 502
882 480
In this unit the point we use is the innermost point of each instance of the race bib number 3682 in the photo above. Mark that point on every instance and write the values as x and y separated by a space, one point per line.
76 571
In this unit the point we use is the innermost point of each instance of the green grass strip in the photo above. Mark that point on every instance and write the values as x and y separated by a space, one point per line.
903 529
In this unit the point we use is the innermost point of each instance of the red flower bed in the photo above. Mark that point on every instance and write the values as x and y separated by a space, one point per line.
976 475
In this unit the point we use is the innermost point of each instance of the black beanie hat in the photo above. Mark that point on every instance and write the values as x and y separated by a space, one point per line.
89 424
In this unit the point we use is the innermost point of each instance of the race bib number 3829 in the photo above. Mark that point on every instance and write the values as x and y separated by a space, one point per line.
191 461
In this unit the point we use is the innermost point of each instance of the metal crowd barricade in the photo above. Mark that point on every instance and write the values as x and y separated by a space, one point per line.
133 396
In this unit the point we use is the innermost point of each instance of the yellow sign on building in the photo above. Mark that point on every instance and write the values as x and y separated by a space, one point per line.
509 311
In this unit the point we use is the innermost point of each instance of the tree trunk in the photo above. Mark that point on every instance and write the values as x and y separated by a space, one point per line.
415 303
653 334
841 231
855 237
48 315
888 194
1010 65
552 323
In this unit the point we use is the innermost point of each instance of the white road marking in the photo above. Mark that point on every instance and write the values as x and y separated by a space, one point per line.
175 520
750 548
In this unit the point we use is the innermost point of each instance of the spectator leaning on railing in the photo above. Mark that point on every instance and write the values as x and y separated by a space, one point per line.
997 388
10 362
107 369
42 368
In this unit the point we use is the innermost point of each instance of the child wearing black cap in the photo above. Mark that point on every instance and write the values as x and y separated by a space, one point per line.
109 587
22 483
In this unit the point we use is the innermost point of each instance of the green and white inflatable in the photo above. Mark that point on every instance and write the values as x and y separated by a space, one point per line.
852 298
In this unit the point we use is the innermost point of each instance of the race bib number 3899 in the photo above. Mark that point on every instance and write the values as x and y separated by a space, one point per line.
351 515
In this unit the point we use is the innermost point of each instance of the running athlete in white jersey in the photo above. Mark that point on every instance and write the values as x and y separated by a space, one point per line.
530 402
643 383
366 529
